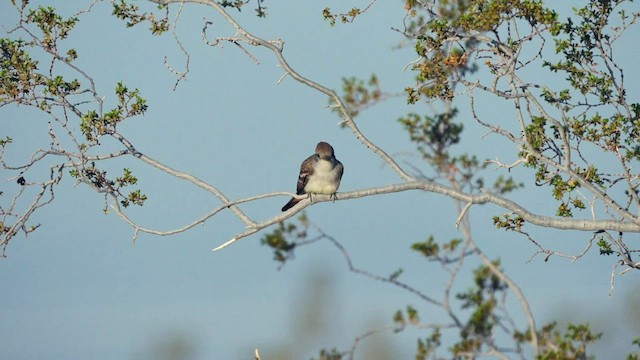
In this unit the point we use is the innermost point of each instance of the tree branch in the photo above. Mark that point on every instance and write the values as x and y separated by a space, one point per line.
472 199
277 50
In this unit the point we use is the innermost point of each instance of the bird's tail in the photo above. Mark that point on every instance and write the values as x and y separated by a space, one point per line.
290 204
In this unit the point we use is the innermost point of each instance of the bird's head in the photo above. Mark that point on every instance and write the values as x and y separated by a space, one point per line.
324 150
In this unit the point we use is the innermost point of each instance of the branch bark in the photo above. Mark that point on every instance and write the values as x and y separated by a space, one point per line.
410 182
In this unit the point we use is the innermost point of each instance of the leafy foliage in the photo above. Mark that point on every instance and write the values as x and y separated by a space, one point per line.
427 348
556 345
52 25
482 305
332 354
283 249
131 14
99 180
458 43
261 10
449 38
482 300
67 95
344 18
358 95
94 126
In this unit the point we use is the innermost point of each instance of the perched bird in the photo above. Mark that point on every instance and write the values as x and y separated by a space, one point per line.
320 173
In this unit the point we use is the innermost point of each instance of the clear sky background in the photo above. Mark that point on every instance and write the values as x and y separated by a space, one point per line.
78 288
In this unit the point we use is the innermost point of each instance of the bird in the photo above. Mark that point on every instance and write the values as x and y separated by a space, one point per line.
320 173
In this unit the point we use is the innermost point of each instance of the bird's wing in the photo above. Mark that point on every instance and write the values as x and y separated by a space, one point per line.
340 169
306 170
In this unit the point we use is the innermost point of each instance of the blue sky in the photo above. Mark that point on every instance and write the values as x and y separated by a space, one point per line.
79 288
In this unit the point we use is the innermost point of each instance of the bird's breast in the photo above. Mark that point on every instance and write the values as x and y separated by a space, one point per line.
324 179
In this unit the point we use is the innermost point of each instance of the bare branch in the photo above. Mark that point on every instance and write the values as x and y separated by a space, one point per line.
276 48
182 75
182 175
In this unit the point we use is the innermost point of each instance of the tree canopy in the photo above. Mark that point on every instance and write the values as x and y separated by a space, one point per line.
497 99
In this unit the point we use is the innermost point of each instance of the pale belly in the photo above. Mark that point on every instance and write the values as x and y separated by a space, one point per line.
324 180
